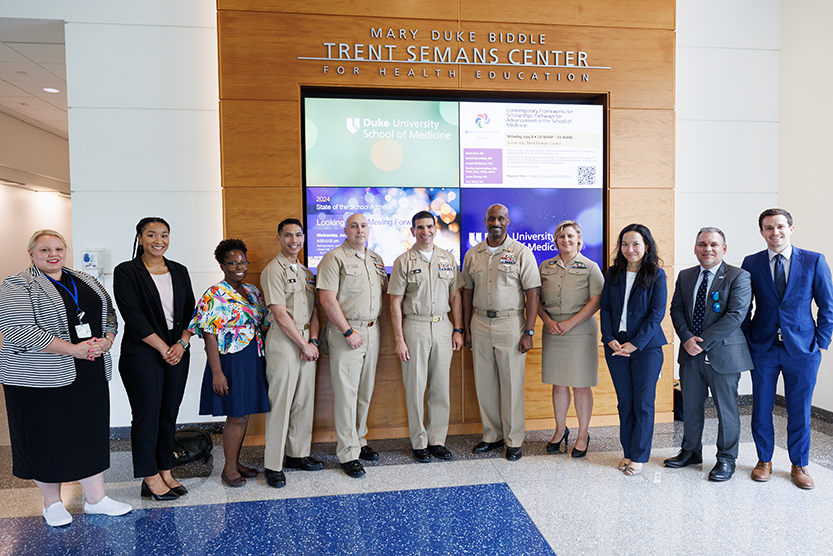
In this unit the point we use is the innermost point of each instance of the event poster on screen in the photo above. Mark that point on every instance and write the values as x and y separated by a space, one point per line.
391 158
530 145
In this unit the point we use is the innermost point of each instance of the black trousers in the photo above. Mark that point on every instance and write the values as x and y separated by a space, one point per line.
155 391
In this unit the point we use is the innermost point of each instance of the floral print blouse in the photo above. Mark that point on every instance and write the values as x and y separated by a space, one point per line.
234 319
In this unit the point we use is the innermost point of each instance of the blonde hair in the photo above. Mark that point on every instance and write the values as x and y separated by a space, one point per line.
40 233
567 224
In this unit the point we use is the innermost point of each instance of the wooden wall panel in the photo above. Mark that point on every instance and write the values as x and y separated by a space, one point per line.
261 143
259 58
642 149
643 14
422 9
261 79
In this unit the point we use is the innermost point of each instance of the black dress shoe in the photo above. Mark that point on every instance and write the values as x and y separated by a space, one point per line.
482 447
513 453
576 453
179 490
555 447
275 479
722 471
353 468
440 452
683 459
147 493
369 454
422 456
306 463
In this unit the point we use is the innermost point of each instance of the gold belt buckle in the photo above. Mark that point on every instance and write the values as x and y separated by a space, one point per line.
306 326
435 319
369 324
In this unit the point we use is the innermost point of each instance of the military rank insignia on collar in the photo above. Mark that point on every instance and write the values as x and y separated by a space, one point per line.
578 265
507 258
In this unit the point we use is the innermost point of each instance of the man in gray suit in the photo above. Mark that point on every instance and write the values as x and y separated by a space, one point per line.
709 304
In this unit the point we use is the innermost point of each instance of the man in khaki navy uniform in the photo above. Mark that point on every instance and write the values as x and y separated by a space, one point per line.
291 353
351 279
424 286
501 280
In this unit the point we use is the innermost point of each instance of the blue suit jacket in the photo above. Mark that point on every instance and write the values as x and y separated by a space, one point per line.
646 309
809 280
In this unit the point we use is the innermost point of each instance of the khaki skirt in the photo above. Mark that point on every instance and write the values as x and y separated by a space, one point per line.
572 359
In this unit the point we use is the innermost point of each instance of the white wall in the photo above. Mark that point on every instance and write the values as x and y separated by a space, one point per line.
727 124
142 85
804 138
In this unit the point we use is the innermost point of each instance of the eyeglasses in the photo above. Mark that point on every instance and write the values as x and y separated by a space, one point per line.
235 264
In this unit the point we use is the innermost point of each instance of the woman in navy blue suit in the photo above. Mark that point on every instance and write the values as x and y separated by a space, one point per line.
633 339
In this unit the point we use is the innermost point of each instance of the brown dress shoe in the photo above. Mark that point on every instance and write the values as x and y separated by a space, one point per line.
801 478
761 471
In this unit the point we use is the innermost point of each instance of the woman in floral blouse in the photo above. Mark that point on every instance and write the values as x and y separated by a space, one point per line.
230 318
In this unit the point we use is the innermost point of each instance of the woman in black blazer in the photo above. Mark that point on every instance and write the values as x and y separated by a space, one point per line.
633 339
156 301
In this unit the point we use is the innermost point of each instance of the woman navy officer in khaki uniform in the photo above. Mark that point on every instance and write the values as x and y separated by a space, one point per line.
570 294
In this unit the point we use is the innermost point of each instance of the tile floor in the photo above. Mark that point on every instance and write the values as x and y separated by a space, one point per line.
542 504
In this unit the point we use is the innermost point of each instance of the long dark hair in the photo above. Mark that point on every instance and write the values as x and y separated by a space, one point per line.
140 228
650 261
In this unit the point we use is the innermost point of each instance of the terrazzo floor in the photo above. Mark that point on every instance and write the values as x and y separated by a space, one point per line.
542 504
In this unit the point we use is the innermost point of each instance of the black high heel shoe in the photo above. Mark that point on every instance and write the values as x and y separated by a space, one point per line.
576 453
147 493
555 447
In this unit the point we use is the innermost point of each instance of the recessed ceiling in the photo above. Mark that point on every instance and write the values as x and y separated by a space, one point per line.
33 58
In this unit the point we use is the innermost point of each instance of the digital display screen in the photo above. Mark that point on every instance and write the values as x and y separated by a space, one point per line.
389 159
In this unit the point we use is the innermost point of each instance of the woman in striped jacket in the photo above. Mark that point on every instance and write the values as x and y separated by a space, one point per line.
58 325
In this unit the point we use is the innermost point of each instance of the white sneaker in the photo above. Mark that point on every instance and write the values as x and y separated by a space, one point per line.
107 506
57 515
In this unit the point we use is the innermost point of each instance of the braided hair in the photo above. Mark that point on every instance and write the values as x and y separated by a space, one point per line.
138 250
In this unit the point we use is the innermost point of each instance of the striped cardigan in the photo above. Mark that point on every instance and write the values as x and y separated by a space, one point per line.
32 315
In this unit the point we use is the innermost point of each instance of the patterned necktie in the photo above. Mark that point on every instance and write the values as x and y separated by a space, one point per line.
780 276
700 305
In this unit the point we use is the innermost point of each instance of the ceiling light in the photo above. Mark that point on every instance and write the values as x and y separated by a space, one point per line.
51 90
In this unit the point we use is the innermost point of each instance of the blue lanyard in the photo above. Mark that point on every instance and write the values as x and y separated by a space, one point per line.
73 294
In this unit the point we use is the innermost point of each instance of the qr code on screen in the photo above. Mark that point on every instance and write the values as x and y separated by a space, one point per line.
586 175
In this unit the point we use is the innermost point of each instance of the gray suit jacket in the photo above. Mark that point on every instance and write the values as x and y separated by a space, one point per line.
723 339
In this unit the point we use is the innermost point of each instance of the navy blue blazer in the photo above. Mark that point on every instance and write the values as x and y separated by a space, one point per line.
809 280
646 309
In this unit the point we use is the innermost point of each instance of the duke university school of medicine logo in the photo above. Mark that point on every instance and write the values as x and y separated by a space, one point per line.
482 120
354 125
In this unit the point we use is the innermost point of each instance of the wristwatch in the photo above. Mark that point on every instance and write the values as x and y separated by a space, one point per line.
529 332
459 330
348 333
183 343
315 342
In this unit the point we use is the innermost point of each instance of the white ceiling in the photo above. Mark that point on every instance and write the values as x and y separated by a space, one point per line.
33 57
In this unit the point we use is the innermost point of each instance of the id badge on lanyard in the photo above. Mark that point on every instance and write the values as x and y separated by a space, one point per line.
82 329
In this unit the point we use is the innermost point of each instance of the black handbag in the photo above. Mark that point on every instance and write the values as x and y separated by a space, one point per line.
191 444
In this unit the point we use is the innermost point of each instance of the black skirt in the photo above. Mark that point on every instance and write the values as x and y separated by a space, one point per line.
61 434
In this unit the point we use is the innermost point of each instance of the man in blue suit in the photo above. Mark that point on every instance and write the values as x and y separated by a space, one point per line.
784 339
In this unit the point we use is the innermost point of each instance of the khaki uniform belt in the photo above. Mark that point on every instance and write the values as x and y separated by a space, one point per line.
361 323
498 314
428 318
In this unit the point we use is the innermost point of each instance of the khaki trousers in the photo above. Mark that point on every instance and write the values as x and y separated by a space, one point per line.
353 373
499 377
292 397
426 379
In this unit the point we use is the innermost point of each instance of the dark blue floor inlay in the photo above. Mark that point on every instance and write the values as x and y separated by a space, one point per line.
480 519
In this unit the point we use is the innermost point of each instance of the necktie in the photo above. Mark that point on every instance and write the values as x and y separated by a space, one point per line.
700 305
780 275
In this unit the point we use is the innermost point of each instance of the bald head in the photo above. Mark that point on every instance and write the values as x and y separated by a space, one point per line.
357 231
497 220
